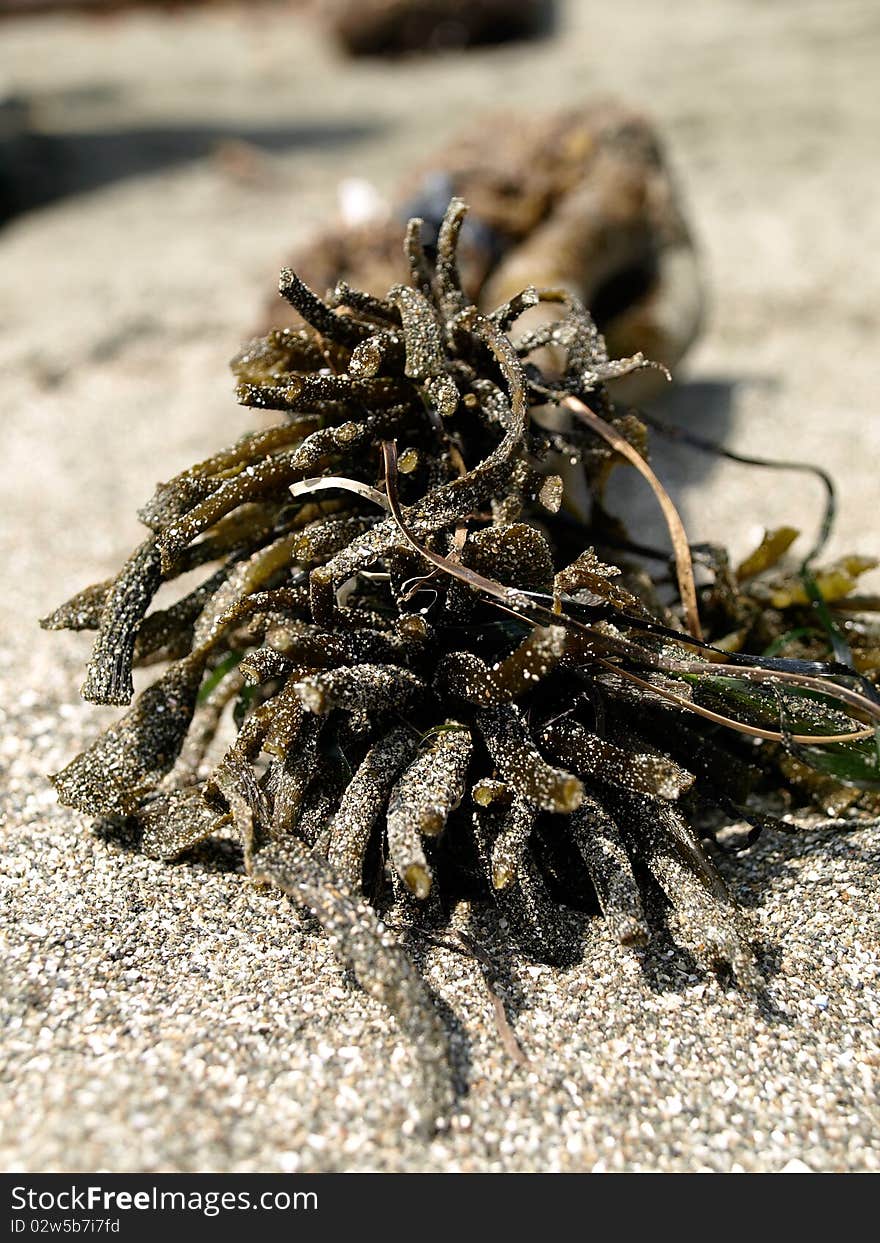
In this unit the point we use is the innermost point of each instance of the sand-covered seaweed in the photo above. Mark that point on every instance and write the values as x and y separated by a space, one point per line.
418 671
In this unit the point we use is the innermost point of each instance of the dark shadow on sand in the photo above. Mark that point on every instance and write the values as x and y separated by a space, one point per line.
39 168
705 407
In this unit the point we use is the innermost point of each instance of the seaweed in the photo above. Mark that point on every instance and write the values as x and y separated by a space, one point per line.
443 684
394 28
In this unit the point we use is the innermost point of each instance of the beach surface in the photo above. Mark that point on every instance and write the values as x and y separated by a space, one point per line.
176 1017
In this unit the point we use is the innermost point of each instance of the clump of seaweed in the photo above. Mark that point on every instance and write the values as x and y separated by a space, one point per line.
443 677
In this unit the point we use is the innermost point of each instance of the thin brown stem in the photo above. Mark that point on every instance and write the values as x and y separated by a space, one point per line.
678 535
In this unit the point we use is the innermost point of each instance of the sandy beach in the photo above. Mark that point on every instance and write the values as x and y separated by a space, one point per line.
177 1018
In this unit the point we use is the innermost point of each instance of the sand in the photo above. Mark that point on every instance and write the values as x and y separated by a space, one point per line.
176 1018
